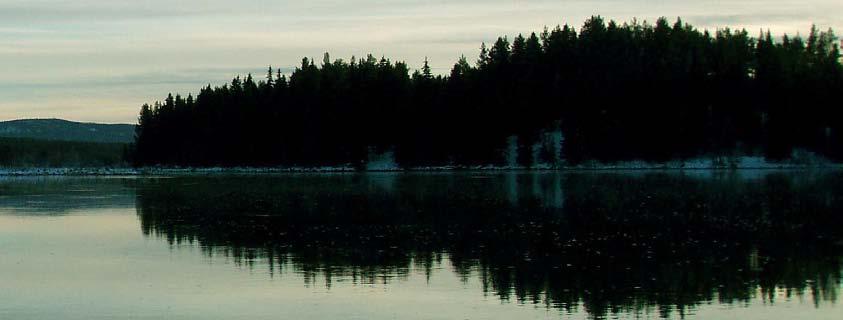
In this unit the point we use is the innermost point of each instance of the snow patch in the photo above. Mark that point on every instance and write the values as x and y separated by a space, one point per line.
800 159
382 162
511 153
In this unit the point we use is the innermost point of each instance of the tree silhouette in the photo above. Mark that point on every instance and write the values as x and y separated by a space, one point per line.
615 91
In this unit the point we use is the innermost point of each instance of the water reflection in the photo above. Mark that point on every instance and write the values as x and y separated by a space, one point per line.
52 196
610 243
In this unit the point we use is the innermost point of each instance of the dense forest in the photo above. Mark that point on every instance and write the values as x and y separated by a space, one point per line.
25 152
606 92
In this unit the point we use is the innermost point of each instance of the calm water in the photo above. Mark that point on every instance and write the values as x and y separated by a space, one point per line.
698 245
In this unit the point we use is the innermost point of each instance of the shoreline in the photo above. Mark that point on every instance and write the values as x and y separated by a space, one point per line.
174 171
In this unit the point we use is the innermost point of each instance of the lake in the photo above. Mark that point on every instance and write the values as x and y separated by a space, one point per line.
511 245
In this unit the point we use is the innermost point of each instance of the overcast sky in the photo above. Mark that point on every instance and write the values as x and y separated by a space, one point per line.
100 60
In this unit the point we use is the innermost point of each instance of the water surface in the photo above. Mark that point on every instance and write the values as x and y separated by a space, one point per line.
640 244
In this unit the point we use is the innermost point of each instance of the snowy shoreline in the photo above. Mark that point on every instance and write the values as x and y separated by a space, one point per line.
741 163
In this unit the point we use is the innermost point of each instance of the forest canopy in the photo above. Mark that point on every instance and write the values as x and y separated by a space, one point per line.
605 92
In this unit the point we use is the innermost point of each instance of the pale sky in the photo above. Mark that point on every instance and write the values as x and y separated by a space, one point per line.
98 61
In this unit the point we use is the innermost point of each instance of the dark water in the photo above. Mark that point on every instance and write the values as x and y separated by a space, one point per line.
694 245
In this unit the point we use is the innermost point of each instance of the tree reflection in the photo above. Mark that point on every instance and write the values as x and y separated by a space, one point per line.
609 243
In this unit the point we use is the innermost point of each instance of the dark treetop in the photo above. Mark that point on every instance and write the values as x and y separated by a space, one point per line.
615 92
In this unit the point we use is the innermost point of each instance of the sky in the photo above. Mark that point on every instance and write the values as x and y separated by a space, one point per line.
99 61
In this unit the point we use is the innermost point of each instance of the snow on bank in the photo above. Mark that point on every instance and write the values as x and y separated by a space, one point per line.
69 172
382 162
800 160
160 171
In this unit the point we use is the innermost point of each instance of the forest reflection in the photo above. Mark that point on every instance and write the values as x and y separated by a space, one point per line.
609 243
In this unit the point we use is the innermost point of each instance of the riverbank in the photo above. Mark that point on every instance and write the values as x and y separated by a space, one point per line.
739 163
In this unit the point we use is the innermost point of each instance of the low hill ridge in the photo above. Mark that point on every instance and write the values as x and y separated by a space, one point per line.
64 130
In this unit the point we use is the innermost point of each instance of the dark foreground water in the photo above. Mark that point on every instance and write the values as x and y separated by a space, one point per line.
698 245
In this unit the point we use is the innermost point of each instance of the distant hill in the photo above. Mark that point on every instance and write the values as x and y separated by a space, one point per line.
63 130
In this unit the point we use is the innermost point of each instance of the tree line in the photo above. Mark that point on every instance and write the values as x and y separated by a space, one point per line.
611 92
38 153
